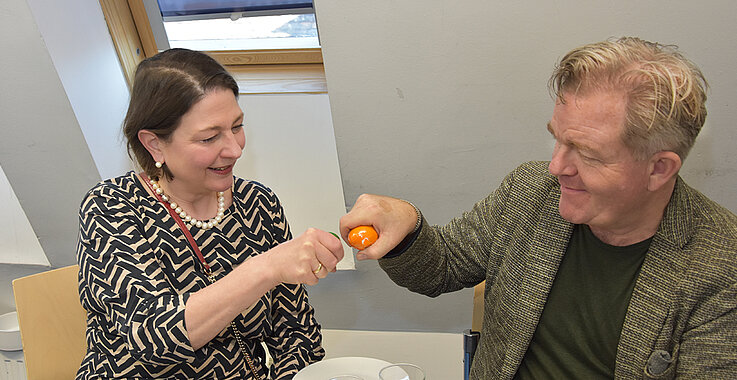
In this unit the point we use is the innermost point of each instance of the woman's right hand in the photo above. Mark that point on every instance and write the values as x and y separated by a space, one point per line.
305 259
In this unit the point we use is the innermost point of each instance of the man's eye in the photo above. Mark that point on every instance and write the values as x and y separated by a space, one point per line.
209 139
589 158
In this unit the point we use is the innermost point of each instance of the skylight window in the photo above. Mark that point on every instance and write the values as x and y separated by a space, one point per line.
239 25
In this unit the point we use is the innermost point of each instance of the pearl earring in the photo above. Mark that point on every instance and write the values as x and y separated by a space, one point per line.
158 164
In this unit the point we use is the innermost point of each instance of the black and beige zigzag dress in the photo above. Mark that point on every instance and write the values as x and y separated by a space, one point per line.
137 272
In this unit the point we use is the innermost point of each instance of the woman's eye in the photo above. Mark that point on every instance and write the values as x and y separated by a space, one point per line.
237 128
209 139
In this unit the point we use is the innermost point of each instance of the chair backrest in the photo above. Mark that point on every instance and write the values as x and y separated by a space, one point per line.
52 323
477 318
472 335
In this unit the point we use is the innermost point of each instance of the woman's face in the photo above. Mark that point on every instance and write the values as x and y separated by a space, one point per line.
208 141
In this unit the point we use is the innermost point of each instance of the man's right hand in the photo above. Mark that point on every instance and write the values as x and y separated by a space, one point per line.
392 218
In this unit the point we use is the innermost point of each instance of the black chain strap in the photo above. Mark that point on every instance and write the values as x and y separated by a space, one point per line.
238 338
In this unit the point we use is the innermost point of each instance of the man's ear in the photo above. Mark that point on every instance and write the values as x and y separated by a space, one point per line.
152 144
663 167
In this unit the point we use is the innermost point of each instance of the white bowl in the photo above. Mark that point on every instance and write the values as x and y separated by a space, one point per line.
10 332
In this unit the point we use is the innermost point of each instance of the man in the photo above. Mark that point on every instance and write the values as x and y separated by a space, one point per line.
601 263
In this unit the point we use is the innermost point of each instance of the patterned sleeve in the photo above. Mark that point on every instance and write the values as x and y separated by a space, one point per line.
296 338
122 285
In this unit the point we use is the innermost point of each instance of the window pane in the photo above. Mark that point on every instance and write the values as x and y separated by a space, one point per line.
170 8
261 32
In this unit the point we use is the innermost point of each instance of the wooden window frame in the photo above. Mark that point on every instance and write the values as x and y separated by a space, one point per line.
134 41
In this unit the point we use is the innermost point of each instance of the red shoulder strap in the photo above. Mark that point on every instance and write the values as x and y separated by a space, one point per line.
181 224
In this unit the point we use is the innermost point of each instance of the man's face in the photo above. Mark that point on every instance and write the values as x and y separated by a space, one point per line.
601 183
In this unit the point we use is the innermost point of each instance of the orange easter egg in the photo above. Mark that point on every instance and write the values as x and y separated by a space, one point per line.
362 237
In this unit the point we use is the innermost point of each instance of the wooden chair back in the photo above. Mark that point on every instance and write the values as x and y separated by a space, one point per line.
477 319
52 323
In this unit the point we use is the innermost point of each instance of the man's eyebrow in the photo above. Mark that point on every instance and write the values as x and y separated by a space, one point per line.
579 146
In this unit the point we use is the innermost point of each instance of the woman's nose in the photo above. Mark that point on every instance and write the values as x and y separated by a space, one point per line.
234 144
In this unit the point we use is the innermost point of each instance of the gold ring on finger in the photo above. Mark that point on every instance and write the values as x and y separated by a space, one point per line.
319 268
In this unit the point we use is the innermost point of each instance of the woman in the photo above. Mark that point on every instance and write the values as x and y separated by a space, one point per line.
185 271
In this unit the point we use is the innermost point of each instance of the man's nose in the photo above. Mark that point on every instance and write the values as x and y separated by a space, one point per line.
561 163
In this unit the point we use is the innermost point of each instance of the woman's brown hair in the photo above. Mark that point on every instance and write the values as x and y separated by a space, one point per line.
165 87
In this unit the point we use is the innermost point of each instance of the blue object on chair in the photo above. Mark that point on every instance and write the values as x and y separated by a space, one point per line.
470 341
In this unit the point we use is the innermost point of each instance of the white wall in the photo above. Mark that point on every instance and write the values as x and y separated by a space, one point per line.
80 46
18 242
290 147
75 36
435 101
42 150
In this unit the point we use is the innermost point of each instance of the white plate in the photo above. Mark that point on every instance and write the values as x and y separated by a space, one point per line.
366 368
10 332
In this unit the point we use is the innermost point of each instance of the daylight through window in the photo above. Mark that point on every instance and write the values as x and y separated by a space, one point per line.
239 27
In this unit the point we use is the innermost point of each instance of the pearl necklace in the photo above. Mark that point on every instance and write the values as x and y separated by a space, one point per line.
183 214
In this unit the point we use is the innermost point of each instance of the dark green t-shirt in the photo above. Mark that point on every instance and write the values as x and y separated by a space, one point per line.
579 329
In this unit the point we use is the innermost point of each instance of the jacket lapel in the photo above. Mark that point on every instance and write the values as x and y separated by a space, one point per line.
653 293
549 244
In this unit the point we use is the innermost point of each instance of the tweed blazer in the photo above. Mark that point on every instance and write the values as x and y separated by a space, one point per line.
681 320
